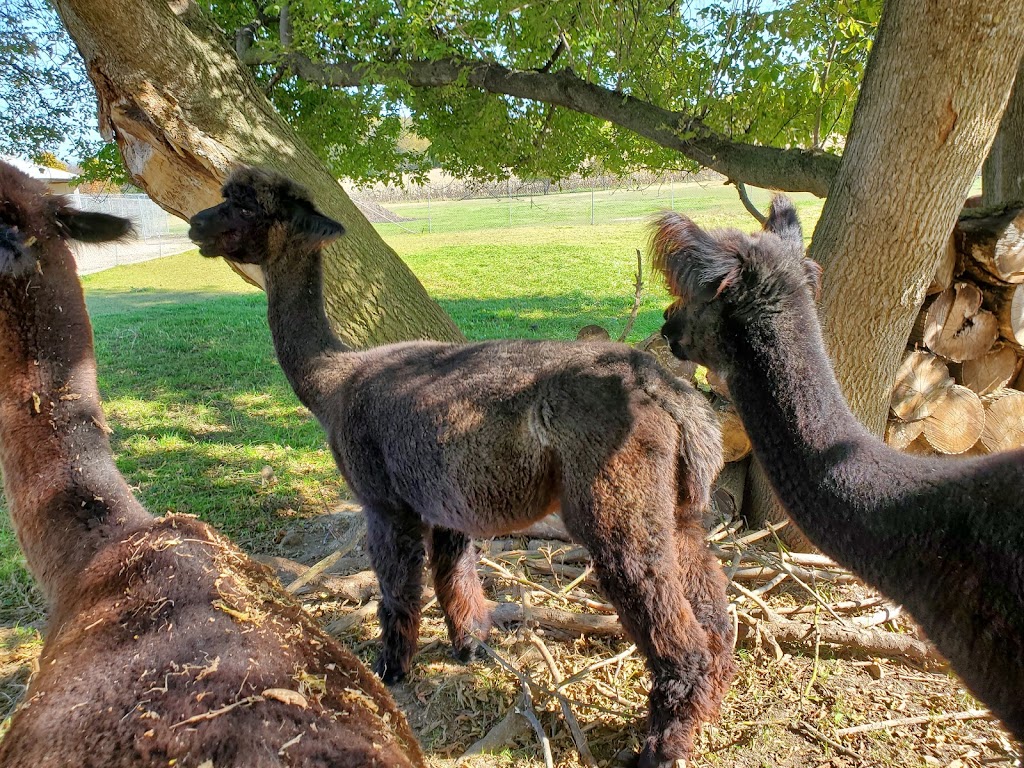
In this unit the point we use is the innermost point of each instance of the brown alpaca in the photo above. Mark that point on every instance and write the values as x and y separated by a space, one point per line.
450 441
945 537
166 644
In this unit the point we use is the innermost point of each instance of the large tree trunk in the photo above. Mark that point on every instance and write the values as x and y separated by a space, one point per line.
184 111
1002 177
936 85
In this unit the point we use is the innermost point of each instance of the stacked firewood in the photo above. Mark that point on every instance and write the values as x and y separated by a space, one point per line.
958 390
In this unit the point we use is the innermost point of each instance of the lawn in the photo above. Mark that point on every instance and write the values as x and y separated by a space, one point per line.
199 406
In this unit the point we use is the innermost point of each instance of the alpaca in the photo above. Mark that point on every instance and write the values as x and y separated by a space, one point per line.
944 537
450 441
166 644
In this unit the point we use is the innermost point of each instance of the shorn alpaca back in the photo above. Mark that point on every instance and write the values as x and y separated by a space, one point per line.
442 426
943 536
443 442
166 644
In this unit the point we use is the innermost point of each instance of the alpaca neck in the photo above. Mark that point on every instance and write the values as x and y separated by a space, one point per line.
830 474
65 494
303 338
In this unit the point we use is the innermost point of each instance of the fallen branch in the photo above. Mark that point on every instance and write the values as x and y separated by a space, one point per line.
970 714
582 746
511 727
552 618
871 641
358 616
814 732
637 296
352 538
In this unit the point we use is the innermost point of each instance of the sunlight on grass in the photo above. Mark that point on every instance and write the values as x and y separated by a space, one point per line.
199 405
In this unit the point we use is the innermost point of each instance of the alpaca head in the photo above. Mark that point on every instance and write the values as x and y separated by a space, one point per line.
263 217
725 280
30 218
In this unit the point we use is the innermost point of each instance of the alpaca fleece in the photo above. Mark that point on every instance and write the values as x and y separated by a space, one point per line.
945 537
166 644
443 442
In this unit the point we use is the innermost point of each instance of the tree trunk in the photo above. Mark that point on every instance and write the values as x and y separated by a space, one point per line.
184 112
936 84
1002 176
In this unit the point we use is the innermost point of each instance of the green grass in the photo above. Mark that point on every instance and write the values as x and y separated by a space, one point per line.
199 406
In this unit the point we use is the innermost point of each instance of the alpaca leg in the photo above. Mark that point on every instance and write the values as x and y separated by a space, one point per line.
636 561
706 591
457 586
395 543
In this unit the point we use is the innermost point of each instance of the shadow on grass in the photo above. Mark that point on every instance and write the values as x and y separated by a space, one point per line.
551 317
199 406
101 301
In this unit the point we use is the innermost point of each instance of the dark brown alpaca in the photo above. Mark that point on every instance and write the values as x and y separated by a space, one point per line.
450 441
166 644
944 537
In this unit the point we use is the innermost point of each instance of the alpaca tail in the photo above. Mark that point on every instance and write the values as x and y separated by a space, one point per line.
700 436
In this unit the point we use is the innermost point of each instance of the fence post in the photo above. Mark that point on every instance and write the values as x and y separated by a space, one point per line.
508 187
430 223
672 195
591 205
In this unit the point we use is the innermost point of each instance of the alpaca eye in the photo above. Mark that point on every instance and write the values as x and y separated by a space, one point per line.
247 212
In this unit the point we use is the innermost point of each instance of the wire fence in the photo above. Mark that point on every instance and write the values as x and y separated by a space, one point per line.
448 205
158 233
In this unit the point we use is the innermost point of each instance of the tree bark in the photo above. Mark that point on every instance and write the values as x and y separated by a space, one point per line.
794 170
184 112
936 84
1002 176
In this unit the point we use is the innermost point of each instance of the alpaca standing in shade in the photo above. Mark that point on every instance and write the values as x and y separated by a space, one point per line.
166 644
945 537
449 441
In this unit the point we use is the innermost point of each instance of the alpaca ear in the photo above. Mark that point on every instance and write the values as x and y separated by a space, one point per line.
783 222
813 271
90 227
695 263
319 229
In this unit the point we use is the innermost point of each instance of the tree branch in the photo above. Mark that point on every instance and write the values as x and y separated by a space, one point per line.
793 170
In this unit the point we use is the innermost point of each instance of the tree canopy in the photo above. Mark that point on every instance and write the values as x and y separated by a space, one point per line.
46 101
760 90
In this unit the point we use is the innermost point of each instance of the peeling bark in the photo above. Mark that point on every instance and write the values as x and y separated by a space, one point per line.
184 112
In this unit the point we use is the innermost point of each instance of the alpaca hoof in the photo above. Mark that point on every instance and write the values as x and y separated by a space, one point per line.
468 652
651 758
388 671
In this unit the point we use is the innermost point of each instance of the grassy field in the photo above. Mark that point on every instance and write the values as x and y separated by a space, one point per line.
199 406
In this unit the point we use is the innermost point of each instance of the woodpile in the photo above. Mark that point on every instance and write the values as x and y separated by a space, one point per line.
958 390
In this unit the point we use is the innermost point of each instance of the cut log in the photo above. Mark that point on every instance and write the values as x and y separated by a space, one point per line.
735 443
993 370
945 270
957 327
717 384
956 423
1004 420
1007 305
900 434
592 333
920 447
921 382
995 245
727 496
657 346
917 331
